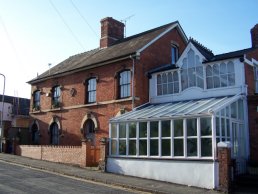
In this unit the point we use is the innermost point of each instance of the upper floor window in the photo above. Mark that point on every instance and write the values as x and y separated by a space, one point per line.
167 83
36 100
220 75
192 71
124 84
56 96
91 90
174 54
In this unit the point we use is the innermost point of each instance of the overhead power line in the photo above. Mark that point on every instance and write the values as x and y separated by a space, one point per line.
83 18
67 26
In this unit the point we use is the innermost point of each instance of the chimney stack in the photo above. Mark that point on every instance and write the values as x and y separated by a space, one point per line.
254 36
111 31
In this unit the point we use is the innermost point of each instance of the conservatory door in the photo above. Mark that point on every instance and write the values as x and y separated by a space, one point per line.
238 146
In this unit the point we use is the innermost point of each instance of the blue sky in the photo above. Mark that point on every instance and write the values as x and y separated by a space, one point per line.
36 33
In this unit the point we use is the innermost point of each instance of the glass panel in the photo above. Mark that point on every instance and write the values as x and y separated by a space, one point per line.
223 127
175 76
223 80
122 130
233 110
191 61
209 82
165 125
191 127
154 147
227 111
132 130
240 109
191 77
228 127
176 87
113 147
164 78
159 90
143 147
158 79
178 147
217 126
113 130
142 129
122 147
230 67
192 147
170 88
154 129
206 126
165 89
231 79
216 70
166 148
184 79
132 147
170 78
206 147
223 68
216 81
208 70
178 128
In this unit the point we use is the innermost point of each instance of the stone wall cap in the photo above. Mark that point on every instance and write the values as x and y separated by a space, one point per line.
225 144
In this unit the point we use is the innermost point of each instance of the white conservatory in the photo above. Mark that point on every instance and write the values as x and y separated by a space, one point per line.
193 106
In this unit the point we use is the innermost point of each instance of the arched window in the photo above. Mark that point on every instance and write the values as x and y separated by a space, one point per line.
125 84
192 71
89 130
34 134
54 134
36 100
56 93
167 83
91 90
220 75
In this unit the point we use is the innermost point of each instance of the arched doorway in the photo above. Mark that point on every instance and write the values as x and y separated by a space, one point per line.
34 134
54 134
89 130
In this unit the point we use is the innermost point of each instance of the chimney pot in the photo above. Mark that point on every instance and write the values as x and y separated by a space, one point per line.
111 31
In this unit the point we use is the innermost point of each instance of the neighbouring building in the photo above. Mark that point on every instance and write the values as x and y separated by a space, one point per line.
195 103
75 99
15 121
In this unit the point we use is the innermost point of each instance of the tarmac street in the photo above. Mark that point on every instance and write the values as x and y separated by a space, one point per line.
88 174
18 179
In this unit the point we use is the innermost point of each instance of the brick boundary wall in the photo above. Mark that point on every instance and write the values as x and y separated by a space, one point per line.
225 167
84 156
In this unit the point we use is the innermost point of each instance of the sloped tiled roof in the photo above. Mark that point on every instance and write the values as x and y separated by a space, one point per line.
122 48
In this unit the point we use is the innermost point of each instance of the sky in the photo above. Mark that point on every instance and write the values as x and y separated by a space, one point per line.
34 34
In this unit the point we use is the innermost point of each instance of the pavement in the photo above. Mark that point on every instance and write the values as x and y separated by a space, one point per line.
92 174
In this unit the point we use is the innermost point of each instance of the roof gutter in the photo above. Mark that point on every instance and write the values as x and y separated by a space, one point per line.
128 56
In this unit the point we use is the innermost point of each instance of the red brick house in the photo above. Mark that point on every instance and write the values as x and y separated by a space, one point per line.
76 98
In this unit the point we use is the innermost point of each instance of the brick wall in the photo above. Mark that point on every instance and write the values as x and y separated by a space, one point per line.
75 155
252 100
224 158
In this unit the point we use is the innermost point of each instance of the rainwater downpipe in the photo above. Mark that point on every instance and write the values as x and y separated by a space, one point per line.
133 98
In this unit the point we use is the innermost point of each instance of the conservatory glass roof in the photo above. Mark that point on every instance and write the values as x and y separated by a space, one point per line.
198 107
